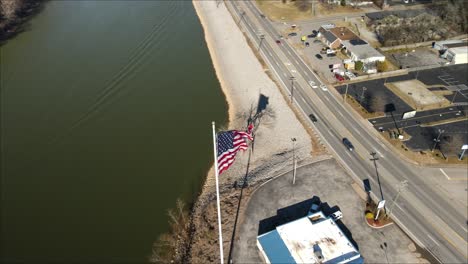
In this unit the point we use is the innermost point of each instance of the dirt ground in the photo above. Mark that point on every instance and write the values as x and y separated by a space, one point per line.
276 10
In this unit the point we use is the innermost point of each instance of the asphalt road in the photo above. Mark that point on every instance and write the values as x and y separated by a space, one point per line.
429 219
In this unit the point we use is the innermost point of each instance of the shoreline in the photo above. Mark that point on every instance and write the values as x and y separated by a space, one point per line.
242 79
15 17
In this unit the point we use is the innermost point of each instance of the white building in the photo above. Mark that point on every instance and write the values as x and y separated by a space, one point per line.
311 239
360 50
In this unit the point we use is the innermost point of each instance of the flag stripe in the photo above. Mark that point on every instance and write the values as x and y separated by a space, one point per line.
229 143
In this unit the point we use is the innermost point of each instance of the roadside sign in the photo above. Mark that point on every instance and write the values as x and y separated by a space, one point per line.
409 114
381 204
464 147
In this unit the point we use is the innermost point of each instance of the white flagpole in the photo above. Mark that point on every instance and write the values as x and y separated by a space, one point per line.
215 146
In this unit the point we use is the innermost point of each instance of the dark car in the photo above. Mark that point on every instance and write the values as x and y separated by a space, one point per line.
348 144
339 77
307 44
312 35
318 56
331 55
292 34
278 41
313 118
314 32
316 204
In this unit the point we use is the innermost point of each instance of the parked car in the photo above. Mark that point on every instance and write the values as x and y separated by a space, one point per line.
278 41
313 84
317 41
348 144
292 34
331 55
316 204
314 32
339 77
307 44
323 87
313 35
336 215
350 75
313 118
318 56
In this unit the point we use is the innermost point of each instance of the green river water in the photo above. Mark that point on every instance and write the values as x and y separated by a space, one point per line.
106 110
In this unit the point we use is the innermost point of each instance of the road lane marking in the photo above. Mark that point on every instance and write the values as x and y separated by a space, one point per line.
293 70
289 52
326 98
284 74
296 61
445 174
271 55
287 63
430 237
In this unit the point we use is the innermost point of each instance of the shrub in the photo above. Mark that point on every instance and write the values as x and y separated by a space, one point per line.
382 66
359 65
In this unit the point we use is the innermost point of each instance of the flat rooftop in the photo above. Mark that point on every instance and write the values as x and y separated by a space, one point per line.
300 239
343 33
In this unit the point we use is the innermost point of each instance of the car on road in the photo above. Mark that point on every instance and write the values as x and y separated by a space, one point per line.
278 41
292 34
307 44
313 84
339 77
313 118
318 56
323 87
336 215
316 204
348 144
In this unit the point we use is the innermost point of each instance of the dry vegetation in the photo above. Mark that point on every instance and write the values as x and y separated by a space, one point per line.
13 15
438 22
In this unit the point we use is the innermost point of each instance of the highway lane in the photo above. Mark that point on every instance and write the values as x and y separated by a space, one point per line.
358 164
362 135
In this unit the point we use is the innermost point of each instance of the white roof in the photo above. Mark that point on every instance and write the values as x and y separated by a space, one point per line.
301 235
362 52
459 50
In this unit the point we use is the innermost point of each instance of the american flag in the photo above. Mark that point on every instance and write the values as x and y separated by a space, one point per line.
229 143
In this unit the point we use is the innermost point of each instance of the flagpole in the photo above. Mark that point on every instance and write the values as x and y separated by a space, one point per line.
221 255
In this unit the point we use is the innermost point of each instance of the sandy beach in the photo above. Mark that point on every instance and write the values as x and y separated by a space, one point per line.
243 79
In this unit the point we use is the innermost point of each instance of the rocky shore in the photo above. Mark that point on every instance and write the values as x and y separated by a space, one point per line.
14 14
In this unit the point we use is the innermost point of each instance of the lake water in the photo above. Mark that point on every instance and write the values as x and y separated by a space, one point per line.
106 110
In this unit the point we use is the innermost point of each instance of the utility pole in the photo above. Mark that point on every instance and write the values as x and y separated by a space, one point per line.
294 159
437 140
346 94
374 159
292 78
417 73
401 186
262 37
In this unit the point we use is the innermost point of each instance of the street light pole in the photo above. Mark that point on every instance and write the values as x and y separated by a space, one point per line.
401 186
362 95
437 140
292 78
453 99
294 159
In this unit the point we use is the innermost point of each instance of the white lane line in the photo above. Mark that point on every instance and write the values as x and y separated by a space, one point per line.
293 70
340 114
277 63
326 98
289 52
380 154
271 55
397 205
296 61
287 63
284 74
429 236
445 174
466 231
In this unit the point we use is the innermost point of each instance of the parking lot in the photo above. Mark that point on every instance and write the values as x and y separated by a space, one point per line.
309 54
279 201
448 80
